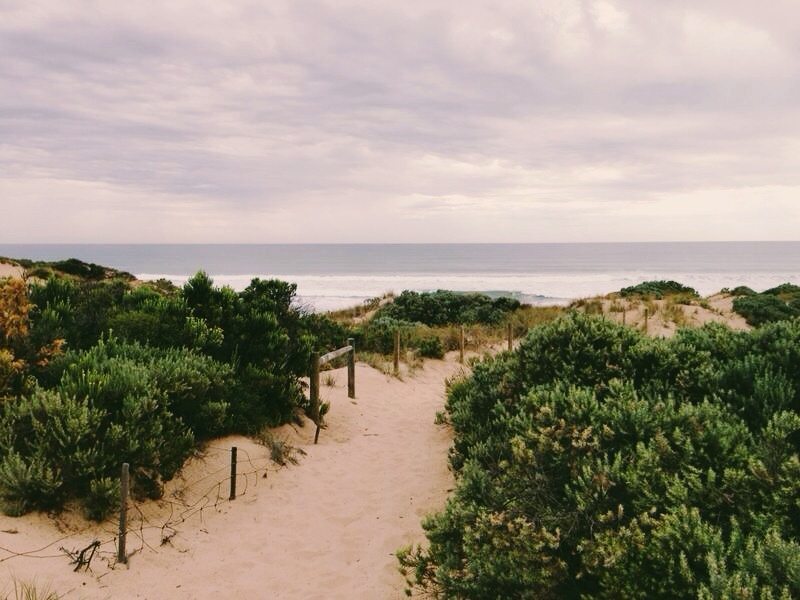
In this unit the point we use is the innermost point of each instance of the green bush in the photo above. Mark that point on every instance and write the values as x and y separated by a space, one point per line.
596 462
764 308
102 499
431 348
788 290
448 308
117 402
658 289
742 290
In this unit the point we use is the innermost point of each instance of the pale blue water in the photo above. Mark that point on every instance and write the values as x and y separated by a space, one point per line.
330 276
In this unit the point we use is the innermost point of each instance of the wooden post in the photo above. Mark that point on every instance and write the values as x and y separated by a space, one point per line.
646 319
314 392
510 337
624 316
461 345
124 486
233 473
351 369
396 351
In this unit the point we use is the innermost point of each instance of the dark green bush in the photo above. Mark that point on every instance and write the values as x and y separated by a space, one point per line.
742 290
431 347
102 499
787 290
764 308
117 402
597 463
448 308
73 266
377 335
658 289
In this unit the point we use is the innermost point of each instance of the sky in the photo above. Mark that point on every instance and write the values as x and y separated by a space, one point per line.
414 121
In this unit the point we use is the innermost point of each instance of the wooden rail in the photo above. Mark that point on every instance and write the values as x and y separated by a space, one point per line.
318 361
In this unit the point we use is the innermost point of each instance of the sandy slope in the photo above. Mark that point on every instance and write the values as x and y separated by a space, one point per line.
7 270
661 323
327 528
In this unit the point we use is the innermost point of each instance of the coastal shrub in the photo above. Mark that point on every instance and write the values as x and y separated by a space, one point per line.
117 402
431 348
149 372
784 290
447 308
764 308
73 266
596 462
658 289
742 290
102 498
377 335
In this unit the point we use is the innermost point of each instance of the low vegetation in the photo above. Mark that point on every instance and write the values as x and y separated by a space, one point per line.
429 323
448 308
96 371
658 290
596 462
777 304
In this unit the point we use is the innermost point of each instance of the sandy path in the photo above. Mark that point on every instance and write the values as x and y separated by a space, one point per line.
327 528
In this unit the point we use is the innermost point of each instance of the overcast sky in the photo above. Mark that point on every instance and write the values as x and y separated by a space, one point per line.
402 121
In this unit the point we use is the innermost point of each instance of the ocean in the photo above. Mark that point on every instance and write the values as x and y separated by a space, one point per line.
330 276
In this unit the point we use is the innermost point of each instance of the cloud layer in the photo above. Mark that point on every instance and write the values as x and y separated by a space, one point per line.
341 121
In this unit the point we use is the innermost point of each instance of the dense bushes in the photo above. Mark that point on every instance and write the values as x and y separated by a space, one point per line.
426 321
149 371
117 402
776 304
596 462
658 289
448 308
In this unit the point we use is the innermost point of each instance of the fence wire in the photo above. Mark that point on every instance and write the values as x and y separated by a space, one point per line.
143 520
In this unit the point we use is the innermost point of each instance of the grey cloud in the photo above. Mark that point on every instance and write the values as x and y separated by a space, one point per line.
280 106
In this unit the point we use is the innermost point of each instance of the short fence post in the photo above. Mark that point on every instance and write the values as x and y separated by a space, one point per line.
124 485
461 344
510 337
351 369
624 316
396 351
233 473
314 388
646 319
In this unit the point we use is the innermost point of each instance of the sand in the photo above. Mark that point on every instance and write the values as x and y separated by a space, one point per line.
8 270
326 528
664 319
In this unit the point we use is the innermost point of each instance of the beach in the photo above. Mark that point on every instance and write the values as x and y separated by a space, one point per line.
326 528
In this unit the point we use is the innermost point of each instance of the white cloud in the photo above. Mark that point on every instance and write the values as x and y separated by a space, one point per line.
418 121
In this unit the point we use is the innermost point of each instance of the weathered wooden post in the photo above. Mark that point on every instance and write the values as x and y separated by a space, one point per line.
124 486
624 316
396 351
461 344
351 368
510 337
233 473
646 319
314 392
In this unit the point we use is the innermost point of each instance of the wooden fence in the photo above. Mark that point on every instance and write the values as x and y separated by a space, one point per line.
317 362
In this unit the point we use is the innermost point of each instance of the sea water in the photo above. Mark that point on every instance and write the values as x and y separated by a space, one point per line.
330 276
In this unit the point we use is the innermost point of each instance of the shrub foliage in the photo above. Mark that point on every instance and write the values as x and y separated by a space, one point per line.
658 289
149 371
595 462
448 308
776 304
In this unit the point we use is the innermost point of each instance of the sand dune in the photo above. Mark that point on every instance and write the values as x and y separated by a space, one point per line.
7 270
327 528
